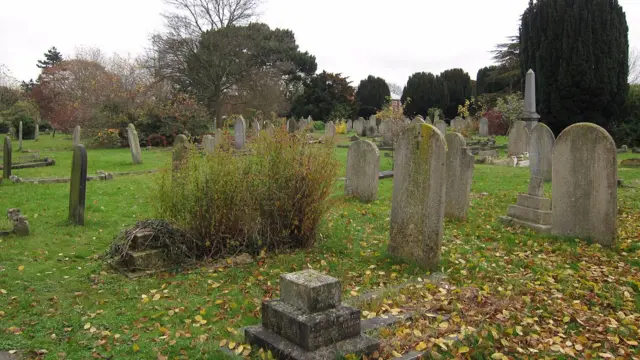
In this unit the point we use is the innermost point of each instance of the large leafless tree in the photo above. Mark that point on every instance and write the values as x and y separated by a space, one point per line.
185 24
634 66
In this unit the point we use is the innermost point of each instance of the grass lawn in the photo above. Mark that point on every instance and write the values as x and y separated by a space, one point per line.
506 292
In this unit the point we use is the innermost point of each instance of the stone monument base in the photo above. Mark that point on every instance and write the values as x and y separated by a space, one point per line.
282 348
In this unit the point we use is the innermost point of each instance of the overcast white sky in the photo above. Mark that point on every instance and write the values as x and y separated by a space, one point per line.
390 39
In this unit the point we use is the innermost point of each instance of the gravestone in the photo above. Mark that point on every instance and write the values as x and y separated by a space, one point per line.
241 133
541 143
256 128
532 210
359 127
417 120
309 321
134 144
219 137
386 128
6 159
441 126
518 138
292 126
180 151
36 132
349 125
76 135
372 121
417 208
459 175
209 143
270 129
584 184
483 127
529 114
329 130
20 136
78 189
363 166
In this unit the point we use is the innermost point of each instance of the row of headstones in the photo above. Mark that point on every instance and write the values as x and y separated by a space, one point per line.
36 134
432 180
582 166
431 183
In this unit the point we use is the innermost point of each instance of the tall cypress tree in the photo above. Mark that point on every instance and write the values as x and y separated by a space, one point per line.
579 50
458 85
425 91
372 94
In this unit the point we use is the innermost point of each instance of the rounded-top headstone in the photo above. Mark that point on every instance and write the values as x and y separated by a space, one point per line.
584 184
363 167
541 143
240 129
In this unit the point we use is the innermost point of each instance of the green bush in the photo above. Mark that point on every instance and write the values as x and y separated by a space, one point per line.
318 125
25 111
272 199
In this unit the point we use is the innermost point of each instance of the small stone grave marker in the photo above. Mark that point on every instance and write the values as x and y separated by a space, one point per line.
78 188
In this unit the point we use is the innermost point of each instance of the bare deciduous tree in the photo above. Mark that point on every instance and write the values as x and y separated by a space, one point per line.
634 66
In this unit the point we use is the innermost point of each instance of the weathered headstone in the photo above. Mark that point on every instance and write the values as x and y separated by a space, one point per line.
20 136
373 121
441 126
209 144
363 166
219 137
78 189
529 114
134 144
270 129
255 127
584 184
309 321
240 128
349 125
359 127
386 128
76 135
36 132
329 130
518 138
180 151
292 126
541 143
483 127
417 208
459 175
6 159
532 210
418 120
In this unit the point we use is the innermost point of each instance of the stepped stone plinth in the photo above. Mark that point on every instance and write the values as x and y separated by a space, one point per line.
309 322
532 210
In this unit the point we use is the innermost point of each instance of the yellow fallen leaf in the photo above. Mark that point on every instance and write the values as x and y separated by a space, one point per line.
396 354
223 342
463 350
3 291
156 297
218 302
631 342
421 346
417 332
498 356
443 325
136 348
21 267
232 345
87 325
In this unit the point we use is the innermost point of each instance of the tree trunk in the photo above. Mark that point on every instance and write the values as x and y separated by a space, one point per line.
54 133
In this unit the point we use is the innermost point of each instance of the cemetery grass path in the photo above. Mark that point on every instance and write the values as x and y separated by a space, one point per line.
507 292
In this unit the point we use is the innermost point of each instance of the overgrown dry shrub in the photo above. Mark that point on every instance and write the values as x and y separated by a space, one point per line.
272 199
